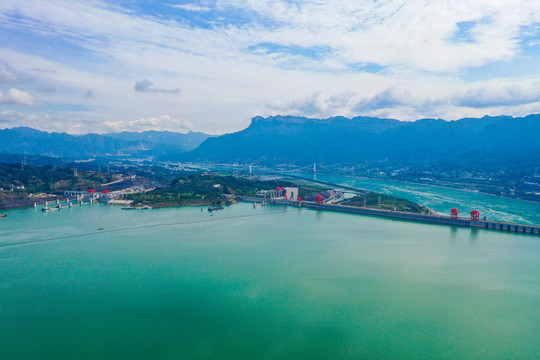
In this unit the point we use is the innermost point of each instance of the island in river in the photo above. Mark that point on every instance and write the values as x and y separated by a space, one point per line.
216 189
23 186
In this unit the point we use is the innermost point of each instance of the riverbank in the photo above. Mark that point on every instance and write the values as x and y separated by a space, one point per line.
23 202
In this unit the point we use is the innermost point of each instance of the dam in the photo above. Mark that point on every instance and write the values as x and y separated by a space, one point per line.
426 218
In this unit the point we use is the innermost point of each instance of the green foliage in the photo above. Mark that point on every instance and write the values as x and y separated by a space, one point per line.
199 189
46 179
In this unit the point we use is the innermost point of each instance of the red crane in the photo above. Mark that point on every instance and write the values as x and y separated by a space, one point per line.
475 215
454 213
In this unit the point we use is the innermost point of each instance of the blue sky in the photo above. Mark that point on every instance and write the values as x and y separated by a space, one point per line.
211 65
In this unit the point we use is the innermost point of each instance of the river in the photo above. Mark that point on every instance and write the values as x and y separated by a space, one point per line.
267 283
442 199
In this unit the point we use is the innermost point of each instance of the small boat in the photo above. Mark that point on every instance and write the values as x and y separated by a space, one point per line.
219 207
146 207
101 228
3 215
45 209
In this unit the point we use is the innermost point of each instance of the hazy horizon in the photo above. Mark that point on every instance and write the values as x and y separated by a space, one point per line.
184 131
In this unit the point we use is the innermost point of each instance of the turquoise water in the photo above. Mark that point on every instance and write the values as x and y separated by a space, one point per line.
443 199
263 283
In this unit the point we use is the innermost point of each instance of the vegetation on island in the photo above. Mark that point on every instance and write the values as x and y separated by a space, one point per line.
24 185
209 189
215 189
32 179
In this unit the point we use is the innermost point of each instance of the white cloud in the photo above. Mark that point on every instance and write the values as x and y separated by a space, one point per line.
191 7
415 34
316 104
509 95
406 104
305 65
148 87
162 122
8 75
8 118
17 97
388 98
41 122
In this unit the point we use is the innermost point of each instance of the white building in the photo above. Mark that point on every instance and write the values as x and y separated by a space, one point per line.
286 193
290 193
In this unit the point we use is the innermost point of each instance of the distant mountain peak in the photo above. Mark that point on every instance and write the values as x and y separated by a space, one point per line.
24 139
296 139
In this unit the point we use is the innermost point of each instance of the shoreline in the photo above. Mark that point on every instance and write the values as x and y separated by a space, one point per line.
21 203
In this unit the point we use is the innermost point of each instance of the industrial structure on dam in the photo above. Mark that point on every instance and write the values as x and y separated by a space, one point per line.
289 196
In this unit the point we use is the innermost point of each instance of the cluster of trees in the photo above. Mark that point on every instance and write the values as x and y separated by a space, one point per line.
204 189
47 179
199 189
207 189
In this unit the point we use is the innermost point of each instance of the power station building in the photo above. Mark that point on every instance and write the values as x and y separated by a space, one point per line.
284 193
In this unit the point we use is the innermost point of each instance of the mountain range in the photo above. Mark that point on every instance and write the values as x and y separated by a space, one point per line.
301 140
25 140
289 139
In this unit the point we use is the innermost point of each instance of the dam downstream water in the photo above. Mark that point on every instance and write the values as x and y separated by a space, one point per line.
432 217
440 199
270 282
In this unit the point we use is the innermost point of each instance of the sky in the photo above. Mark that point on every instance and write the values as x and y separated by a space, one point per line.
211 65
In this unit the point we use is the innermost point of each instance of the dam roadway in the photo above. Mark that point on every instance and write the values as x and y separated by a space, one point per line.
434 219
439 219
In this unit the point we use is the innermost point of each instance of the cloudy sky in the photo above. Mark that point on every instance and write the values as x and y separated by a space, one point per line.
211 65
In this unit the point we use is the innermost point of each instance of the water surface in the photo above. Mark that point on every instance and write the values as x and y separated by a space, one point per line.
263 283
443 199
